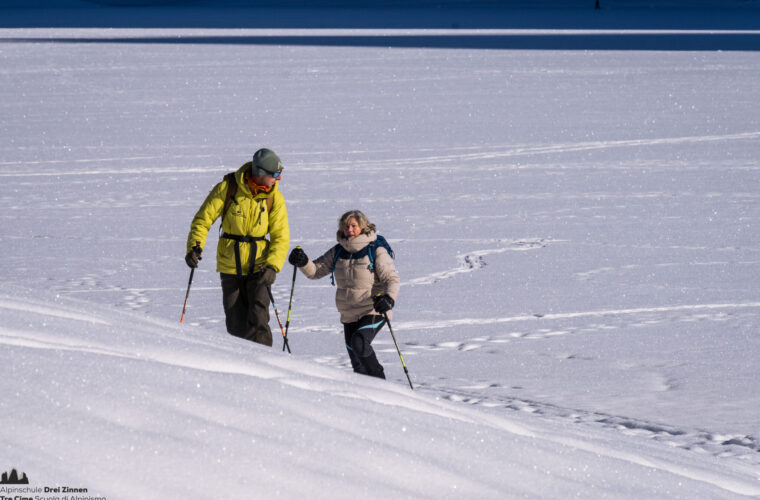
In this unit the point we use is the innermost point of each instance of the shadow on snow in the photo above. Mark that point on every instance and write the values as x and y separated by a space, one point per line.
682 41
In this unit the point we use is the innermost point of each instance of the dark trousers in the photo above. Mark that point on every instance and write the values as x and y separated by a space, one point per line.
359 337
246 308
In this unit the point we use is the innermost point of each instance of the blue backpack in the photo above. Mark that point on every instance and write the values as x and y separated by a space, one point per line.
370 250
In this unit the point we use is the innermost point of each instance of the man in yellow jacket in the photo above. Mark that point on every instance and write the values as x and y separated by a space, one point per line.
247 261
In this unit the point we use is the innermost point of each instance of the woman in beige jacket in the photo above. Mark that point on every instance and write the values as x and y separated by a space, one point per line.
367 281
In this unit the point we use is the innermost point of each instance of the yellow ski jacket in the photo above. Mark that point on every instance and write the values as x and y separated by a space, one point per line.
247 216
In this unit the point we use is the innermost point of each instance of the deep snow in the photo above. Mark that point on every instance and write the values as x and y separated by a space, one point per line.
576 232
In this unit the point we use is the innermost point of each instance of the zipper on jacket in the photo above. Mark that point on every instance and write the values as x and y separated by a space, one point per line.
261 212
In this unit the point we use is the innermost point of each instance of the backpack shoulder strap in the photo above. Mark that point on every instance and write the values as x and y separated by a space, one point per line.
231 192
372 250
338 250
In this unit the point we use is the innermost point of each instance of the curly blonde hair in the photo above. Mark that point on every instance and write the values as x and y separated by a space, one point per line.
361 219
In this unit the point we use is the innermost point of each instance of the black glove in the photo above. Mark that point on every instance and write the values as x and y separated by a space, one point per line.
266 276
383 303
298 257
194 256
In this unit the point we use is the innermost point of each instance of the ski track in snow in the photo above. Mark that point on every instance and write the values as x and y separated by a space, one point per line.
745 448
690 314
742 447
454 156
444 162
474 260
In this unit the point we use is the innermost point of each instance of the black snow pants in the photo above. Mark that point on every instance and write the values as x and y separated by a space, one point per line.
359 337
246 308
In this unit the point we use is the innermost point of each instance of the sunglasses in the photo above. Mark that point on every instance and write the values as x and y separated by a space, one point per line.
276 175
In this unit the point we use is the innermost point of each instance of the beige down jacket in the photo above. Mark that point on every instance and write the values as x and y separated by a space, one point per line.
356 283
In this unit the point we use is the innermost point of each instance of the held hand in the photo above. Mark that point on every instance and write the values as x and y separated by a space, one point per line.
383 303
298 257
267 276
194 256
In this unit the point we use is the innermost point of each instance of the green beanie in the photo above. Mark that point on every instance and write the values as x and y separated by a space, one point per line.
265 162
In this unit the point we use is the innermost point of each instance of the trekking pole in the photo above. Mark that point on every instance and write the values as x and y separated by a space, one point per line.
385 315
189 282
290 305
284 335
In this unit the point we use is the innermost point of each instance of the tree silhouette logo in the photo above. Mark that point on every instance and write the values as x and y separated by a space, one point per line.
13 478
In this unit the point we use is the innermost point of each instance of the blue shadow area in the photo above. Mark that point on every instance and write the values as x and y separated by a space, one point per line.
680 41
384 14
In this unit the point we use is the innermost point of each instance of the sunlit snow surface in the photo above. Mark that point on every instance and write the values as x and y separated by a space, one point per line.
576 232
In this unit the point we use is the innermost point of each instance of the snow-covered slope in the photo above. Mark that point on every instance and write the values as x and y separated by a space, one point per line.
574 215
136 407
